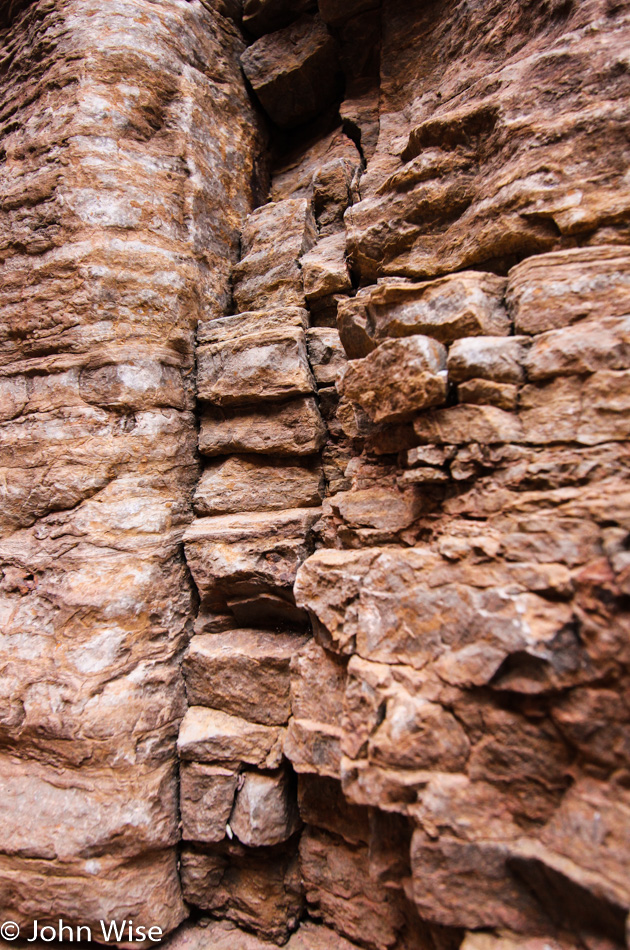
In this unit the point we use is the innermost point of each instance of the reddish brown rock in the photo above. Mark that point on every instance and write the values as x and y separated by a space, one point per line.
398 378
256 888
247 483
207 735
265 811
206 800
242 672
294 71
339 890
292 428
324 268
550 291
460 305
122 207
274 239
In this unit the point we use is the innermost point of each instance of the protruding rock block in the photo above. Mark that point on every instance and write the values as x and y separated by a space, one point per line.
496 358
325 354
587 347
294 72
549 291
460 305
207 735
247 483
242 672
292 428
274 238
246 551
247 365
206 800
265 811
325 270
399 378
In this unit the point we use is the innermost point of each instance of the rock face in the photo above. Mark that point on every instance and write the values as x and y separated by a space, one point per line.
356 674
119 148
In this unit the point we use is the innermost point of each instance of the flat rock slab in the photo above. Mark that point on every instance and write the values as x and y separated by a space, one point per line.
207 735
292 428
270 364
294 72
496 358
243 672
548 291
257 548
248 483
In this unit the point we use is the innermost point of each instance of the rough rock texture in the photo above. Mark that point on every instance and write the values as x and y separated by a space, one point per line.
128 143
396 577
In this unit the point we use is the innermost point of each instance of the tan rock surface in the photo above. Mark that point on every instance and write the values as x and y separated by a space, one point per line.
207 735
248 483
243 672
293 428
265 811
274 239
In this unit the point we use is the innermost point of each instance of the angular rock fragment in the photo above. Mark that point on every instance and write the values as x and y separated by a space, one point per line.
460 305
324 268
274 238
294 72
265 811
397 379
498 359
292 428
207 735
325 354
549 291
242 672
206 800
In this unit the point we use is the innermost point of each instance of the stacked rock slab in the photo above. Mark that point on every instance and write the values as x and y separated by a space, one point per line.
256 510
118 151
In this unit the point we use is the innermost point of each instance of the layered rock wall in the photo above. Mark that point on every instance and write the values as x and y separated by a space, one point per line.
396 574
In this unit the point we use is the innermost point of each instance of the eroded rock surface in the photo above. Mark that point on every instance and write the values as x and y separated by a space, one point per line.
395 578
